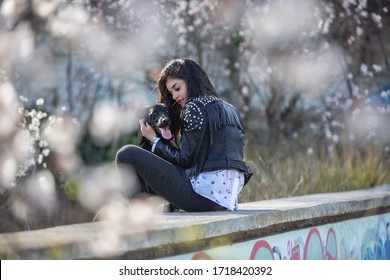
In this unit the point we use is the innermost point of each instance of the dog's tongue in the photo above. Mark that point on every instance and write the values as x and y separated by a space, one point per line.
165 132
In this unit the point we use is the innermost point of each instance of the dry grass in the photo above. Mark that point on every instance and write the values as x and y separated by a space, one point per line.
292 171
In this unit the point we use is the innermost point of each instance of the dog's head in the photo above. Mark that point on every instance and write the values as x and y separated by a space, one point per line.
157 116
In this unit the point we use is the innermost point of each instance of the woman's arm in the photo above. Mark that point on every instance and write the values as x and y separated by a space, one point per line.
192 137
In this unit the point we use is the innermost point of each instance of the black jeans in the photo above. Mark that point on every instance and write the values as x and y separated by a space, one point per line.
156 175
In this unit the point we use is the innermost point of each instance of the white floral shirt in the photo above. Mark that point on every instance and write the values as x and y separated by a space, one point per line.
220 186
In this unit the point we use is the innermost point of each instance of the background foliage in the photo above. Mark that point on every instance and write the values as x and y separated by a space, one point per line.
311 80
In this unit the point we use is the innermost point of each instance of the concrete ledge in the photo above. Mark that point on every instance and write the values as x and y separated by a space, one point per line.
178 233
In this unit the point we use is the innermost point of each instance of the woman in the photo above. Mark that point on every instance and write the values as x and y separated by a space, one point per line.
205 171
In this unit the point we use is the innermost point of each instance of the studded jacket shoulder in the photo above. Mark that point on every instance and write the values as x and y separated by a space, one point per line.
193 115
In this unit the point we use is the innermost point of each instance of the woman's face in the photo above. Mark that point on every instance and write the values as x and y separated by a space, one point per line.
178 89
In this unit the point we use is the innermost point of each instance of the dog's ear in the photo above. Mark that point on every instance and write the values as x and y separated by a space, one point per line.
143 113
163 105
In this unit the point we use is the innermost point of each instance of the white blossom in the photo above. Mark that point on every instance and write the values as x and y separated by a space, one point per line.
40 102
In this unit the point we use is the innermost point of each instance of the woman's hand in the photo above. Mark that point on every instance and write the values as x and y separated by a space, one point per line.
147 130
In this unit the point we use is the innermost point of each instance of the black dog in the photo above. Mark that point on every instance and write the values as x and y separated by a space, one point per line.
157 116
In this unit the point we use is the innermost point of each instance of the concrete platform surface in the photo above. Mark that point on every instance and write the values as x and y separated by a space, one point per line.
181 232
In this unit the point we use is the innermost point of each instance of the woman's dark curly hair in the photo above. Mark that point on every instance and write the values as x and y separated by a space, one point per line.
198 84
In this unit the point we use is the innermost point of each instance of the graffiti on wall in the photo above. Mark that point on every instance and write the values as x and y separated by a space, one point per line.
365 238
312 248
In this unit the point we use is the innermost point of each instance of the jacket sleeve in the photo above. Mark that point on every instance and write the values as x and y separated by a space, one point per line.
193 132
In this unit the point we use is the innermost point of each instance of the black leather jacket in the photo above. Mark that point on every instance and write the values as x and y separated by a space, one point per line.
212 138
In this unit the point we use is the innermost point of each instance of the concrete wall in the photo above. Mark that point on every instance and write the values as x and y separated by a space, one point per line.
344 225
365 238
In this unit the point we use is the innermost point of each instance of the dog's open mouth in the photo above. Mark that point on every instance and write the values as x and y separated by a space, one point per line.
165 132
